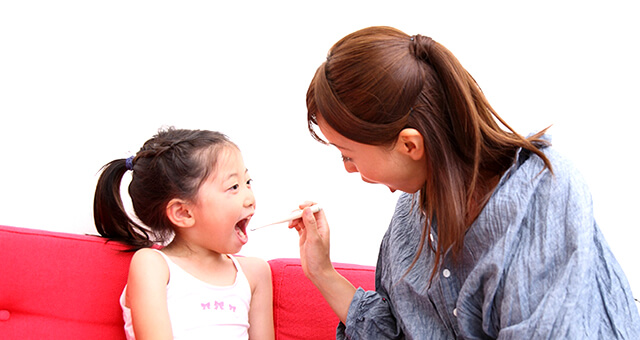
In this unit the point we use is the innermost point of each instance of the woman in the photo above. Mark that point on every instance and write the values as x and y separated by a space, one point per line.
494 236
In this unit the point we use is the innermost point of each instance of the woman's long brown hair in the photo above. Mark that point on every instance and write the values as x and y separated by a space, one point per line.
378 81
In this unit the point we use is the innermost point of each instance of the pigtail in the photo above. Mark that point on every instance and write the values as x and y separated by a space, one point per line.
109 214
172 164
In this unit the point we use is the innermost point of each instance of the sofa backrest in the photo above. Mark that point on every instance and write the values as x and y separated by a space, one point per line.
60 286
57 285
299 310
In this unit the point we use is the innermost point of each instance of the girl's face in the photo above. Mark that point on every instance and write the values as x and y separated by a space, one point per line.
394 167
225 204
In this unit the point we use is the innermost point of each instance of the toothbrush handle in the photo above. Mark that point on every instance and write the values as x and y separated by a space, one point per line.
293 216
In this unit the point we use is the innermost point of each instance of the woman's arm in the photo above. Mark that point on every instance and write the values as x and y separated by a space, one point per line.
261 309
147 295
316 262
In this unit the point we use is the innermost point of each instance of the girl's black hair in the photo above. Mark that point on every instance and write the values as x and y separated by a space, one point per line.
172 164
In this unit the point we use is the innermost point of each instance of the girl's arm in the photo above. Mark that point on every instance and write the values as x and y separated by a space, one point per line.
147 295
261 309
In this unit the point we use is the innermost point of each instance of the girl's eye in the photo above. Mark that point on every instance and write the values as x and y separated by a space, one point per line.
235 187
249 182
346 159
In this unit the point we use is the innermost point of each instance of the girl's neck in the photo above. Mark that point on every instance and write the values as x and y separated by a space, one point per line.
181 249
204 264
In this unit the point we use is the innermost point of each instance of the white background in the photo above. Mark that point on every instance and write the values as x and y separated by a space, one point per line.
85 82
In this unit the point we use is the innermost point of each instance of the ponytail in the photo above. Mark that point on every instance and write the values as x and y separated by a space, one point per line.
482 147
473 120
109 214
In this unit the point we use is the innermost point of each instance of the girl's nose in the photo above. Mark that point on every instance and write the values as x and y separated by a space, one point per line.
250 199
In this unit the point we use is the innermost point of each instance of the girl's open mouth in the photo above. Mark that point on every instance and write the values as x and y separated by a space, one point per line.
241 229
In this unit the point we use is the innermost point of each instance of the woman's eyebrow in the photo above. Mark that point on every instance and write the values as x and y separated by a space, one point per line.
340 147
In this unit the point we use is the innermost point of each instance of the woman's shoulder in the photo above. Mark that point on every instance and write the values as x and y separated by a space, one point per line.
530 166
564 172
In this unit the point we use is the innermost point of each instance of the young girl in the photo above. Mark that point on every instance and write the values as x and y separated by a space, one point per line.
192 192
494 236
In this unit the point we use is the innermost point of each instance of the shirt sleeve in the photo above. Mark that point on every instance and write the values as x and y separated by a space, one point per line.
370 316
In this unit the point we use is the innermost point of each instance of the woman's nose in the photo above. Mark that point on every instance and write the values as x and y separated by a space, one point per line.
350 167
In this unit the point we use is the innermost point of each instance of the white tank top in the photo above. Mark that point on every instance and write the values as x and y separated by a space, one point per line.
199 310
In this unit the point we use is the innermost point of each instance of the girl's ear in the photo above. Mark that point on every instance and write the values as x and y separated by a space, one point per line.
179 213
410 143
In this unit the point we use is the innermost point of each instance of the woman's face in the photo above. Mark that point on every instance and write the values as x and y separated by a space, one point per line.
402 167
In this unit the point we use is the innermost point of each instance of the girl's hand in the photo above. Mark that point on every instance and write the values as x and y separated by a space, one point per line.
313 230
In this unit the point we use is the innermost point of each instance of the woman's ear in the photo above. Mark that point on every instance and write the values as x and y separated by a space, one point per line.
179 213
410 142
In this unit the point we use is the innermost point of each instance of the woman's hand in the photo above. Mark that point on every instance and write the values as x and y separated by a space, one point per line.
313 230
316 262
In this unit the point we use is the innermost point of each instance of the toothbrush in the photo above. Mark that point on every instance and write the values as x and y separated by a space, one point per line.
293 216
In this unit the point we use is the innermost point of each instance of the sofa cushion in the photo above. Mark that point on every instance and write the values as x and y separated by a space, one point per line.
299 310
60 286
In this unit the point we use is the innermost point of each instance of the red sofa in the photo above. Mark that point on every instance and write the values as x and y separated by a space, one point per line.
65 286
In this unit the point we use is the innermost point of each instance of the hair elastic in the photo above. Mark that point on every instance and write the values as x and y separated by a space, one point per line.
129 163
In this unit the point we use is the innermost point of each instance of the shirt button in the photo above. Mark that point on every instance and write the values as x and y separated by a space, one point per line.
455 312
431 237
446 273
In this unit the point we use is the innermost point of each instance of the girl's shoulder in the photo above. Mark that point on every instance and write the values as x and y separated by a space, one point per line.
254 268
149 262
149 255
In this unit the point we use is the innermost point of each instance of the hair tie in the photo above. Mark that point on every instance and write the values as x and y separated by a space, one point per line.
129 163
421 46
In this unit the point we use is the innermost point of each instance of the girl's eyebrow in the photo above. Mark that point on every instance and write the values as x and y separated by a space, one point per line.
235 174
